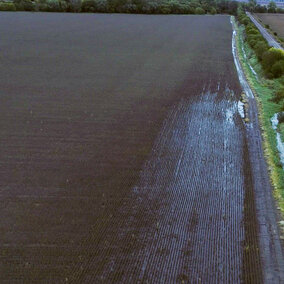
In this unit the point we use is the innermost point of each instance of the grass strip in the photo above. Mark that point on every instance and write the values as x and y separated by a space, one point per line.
264 90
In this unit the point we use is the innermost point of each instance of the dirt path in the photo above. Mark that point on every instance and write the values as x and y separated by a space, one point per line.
271 252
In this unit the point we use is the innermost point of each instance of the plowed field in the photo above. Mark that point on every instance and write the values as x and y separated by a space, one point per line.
123 155
275 21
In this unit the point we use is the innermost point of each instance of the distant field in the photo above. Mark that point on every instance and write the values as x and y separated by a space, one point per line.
275 21
123 155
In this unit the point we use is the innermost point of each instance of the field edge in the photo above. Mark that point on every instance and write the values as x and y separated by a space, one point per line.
263 93
261 138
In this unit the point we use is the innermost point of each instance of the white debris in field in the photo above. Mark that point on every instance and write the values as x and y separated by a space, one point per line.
241 74
251 68
274 121
241 109
280 144
230 115
280 147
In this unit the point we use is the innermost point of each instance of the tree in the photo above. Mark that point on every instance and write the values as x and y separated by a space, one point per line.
7 7
88 6
272 7
24 5
273 62
252 5
213 11
233 7
260 9
277 69
260 48
199 11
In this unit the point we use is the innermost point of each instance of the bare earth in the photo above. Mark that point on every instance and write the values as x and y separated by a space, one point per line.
123 155
275 21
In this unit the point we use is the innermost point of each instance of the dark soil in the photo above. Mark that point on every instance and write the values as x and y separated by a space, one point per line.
122 150
251 256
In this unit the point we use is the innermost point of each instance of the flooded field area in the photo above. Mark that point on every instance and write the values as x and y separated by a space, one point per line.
124 157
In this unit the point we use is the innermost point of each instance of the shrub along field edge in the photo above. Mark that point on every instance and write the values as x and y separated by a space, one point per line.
265 91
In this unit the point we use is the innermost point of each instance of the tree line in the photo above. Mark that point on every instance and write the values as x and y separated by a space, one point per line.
252 6
125 6
139 6
271 59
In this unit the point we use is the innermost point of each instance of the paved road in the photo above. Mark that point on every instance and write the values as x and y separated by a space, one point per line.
271 41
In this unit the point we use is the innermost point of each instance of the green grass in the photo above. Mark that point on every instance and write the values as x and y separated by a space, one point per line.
264 91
